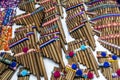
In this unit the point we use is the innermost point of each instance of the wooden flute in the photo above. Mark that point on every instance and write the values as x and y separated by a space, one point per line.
2 65
113 59
74 29
105 71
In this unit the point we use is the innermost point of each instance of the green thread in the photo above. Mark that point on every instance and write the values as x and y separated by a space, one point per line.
102 6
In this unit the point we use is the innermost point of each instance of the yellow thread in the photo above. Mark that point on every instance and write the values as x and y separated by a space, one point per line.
113 60
68 68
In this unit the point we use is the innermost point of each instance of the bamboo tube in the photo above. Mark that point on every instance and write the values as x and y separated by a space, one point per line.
43 71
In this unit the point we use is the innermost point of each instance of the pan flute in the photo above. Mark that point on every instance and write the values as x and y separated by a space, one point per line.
35 17
24 42
111 42
7 68
102 57
28 6
50 4
88 60
78 25
50 47
23 74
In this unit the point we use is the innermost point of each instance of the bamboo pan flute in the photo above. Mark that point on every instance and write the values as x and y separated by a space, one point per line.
51 48
104 9
77 26
108 26
114 66
51 13
21 33
107 20
106 71
5 72
47 4
113 39
88 60
85 71
71 2
54 26
99 2
73 8
70 73
28 6
112 28
35 17
83 31
31 59
23 77
61 76
114 63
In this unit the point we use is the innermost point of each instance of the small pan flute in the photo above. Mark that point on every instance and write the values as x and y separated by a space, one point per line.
77 50
27 51
28 6
8 66
102 57
50 47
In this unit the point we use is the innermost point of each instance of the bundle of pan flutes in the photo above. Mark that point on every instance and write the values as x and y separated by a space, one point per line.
41 35
107 23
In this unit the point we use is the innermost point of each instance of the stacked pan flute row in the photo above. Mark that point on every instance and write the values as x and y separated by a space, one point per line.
26 44
107 23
